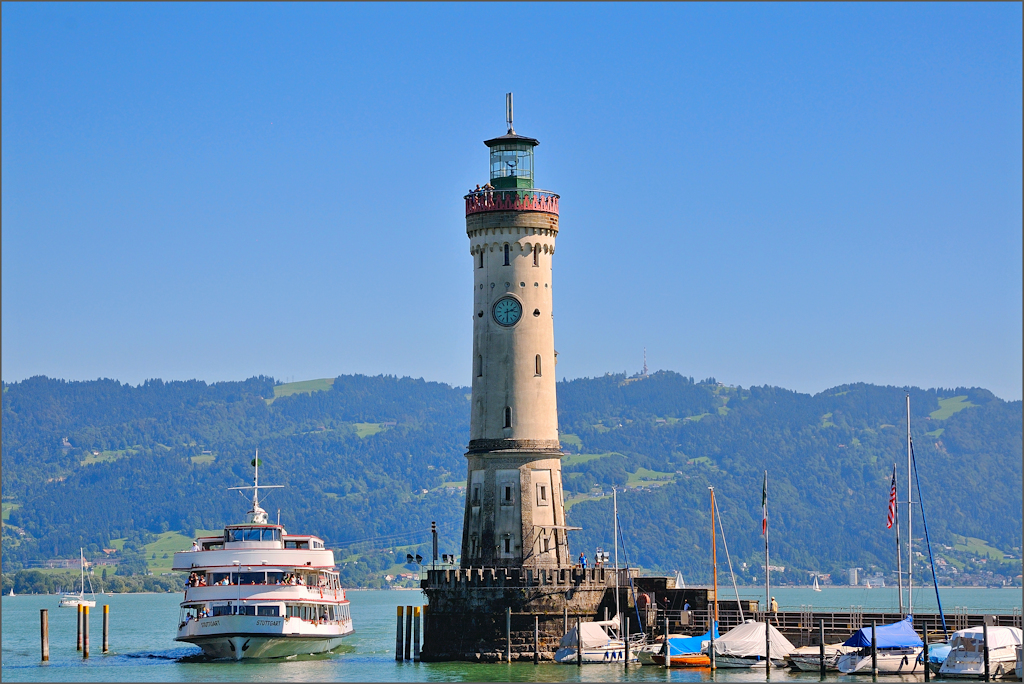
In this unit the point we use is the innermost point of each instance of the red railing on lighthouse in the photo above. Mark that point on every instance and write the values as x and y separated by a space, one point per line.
512 200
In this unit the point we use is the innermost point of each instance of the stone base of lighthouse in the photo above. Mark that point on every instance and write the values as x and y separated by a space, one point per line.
466 618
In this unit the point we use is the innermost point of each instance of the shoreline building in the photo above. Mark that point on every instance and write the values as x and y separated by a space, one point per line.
516 563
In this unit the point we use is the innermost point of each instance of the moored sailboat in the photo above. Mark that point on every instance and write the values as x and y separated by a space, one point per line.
71 599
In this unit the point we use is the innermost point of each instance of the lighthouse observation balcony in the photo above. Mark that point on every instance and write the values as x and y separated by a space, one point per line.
512 200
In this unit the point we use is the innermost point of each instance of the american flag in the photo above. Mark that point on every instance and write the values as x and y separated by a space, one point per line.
892 500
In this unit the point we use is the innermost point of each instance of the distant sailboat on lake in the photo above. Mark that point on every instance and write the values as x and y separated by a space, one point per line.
816 587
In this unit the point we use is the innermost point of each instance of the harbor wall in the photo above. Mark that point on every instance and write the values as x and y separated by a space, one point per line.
466 613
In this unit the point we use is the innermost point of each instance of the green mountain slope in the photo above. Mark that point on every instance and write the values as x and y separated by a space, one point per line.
369 462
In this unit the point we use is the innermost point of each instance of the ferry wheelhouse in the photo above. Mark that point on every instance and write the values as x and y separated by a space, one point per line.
258 592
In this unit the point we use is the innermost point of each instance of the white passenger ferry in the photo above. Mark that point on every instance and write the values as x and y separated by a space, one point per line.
259 592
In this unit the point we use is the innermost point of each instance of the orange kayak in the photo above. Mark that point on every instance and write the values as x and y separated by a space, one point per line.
685 660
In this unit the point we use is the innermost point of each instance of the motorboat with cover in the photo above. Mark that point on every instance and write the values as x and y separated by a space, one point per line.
937 653
601 643
686 651
258 592
743 646
967 653
808 658
897 647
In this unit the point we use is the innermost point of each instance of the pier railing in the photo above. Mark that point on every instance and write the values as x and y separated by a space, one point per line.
801 626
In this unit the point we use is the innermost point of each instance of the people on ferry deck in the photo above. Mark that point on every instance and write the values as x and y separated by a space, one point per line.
195 544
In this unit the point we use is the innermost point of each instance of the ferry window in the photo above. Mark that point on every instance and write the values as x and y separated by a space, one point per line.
251 578
268 611
271 534
212 546
246 610
296 544
252 534
230 535
218 578
221 610
275 577
506 255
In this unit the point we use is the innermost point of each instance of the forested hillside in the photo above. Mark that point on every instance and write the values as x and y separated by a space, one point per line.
369 462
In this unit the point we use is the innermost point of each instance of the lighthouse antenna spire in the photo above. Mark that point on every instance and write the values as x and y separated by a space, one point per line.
508 113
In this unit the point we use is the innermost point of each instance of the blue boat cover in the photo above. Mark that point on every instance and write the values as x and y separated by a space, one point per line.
899 634
678 646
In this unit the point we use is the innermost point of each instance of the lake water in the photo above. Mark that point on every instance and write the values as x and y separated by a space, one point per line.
142 628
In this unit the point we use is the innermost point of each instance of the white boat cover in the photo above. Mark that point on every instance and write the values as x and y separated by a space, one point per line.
594 635
997 637
748 640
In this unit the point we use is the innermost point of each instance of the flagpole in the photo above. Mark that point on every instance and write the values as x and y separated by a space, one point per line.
767 585
899 552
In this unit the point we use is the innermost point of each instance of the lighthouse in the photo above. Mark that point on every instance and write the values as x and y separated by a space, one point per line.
514 514
516 579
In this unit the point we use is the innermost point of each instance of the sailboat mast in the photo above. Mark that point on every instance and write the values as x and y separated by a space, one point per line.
714 556
767 588
615 528
910 514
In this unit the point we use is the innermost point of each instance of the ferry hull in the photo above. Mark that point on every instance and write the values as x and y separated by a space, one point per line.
243 637
247 646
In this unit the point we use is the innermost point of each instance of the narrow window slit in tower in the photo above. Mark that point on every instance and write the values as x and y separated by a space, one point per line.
506 255
508 545
508 416
481 265
536 255
479 366
537 365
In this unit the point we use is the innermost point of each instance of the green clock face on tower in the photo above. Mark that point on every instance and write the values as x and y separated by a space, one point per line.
507 311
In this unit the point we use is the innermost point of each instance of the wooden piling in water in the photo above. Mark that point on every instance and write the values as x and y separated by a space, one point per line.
984 646
85 632
579 645
416 634
536 640
106 627
398 635
625 645
408 632
508 635
44 634
821 647
927 670
874 653
78 639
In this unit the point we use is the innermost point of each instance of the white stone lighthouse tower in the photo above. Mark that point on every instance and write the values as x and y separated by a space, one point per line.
514 511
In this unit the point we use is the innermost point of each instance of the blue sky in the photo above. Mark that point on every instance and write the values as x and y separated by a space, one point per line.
800 195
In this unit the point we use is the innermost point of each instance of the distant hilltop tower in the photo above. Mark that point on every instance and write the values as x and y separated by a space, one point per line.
514 511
